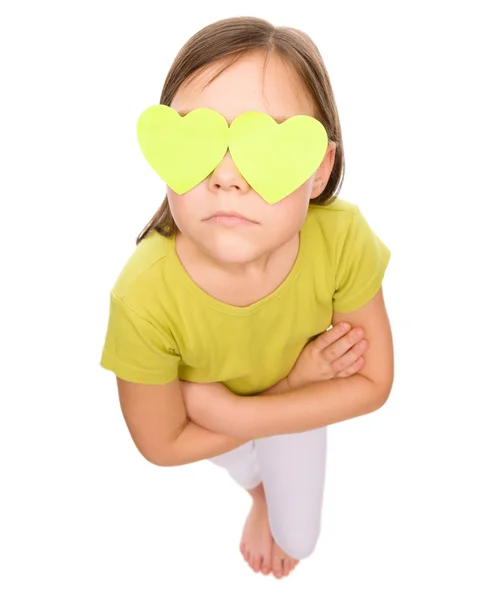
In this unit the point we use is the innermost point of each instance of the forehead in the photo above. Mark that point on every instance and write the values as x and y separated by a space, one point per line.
251 83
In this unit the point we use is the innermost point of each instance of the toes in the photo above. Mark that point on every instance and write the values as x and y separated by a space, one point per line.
277 566
242 550
255 563
292 564
286 566
266 565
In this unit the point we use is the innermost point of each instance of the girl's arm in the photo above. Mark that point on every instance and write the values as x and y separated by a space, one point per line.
310 407
276 412
302 409
327 402
158 424
196 443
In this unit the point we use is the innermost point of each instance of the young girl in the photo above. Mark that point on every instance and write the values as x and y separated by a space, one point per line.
219 325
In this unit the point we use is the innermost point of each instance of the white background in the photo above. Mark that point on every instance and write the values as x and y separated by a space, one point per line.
408 492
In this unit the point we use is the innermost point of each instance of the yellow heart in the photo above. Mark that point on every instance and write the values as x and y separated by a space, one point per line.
276 159
183 151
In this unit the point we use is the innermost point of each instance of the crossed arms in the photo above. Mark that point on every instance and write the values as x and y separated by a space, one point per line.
282 410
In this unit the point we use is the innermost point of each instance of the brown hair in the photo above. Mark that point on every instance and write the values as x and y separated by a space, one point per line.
229 40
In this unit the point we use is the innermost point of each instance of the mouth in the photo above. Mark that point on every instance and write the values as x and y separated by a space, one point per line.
229 218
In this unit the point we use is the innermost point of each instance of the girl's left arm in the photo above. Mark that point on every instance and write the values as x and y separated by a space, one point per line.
309 407
277 412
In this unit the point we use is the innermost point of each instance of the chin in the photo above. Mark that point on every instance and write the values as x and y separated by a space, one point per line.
233 250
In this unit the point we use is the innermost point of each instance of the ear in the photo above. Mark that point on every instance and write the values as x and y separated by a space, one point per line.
324 170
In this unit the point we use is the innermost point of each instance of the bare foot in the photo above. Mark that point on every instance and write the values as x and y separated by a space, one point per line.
282 564
256 542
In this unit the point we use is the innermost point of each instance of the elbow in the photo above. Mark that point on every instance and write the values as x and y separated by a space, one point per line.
166 453
382 393
163 460
164 456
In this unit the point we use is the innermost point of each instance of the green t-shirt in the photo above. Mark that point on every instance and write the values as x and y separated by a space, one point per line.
162 325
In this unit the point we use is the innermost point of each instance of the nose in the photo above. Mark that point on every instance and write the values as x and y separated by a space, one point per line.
226 177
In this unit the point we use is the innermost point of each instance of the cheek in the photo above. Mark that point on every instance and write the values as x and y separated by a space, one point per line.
173 203
183 208
292 210
297 202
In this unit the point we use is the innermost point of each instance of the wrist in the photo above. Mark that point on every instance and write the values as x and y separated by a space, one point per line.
229 419
209 405
281 387
284 386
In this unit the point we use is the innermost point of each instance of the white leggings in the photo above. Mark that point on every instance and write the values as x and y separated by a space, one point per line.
292 469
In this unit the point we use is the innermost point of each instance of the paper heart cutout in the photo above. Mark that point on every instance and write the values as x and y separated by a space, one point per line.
276 159
183 151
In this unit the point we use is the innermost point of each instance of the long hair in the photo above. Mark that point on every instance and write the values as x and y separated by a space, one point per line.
227 41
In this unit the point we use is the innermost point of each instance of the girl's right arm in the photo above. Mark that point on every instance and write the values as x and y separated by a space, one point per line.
158 424
160 428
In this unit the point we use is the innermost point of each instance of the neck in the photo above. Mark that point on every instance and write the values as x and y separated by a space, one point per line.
253 270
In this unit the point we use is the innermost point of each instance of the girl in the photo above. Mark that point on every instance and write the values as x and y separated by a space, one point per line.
219 325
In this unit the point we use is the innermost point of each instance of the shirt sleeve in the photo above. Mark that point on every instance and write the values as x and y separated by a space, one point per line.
361 266
135 349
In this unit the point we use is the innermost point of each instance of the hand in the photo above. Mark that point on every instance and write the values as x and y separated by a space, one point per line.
334 353
207 404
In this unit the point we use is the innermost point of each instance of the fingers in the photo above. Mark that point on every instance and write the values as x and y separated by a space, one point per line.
345 351
332 335
342 347
352 361
352 368
338 340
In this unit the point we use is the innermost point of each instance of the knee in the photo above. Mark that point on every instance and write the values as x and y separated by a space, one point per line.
297 541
